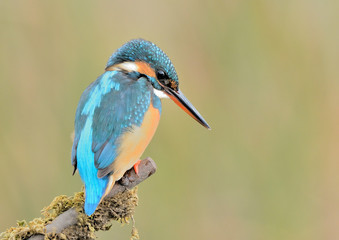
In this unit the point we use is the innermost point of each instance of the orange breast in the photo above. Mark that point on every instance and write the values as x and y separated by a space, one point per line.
134 143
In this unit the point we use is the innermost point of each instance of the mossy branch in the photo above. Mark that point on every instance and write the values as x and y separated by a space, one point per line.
65 218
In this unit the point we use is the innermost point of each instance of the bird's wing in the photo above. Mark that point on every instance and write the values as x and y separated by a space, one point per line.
119 109
80 120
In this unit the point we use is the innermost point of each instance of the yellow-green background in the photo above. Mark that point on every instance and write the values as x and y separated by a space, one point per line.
263 73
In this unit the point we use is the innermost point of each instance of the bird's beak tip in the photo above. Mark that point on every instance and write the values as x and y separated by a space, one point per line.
179 98
205 124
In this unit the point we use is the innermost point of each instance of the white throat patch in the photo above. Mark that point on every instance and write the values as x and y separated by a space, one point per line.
160 94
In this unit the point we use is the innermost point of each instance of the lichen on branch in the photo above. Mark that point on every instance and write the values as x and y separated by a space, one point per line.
119 208
64 218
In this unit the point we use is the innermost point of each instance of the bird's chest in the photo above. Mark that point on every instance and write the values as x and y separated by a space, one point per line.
133 143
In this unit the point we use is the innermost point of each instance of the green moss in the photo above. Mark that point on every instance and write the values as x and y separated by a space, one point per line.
119 208
24 230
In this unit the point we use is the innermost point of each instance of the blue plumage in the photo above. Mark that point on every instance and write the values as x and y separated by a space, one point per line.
95 187
111 132
108 107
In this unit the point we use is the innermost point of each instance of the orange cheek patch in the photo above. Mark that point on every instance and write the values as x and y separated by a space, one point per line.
145 68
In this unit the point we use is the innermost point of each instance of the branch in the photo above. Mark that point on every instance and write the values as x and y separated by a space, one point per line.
130 179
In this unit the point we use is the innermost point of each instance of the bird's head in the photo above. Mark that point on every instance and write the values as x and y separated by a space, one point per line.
148 60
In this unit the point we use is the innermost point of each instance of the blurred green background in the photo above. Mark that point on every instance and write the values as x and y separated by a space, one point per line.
263 73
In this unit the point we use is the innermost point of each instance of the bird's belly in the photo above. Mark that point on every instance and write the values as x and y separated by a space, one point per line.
134 143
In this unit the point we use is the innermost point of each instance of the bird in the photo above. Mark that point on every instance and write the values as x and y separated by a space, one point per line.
118 114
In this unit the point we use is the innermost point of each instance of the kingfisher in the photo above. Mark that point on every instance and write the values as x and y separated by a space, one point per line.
118 114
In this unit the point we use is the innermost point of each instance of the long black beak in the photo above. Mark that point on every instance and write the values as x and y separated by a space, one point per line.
179 98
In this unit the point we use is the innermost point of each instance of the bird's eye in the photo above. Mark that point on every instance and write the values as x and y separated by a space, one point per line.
161 75
164 80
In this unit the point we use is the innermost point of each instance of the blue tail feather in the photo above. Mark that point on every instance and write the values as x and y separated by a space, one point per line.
94 187
94 192
90 208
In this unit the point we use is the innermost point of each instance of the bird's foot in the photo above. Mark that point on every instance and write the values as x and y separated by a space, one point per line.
136 167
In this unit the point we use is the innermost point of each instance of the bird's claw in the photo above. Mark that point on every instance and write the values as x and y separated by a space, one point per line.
136 167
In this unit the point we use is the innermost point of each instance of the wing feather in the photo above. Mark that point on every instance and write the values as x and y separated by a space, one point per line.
119 109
